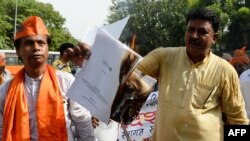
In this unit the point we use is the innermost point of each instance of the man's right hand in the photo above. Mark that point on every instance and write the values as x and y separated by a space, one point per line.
80 52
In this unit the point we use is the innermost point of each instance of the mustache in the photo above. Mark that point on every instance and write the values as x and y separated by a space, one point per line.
37 53
194 41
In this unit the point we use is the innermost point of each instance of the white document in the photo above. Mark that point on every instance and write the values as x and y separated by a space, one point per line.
115 29
96 84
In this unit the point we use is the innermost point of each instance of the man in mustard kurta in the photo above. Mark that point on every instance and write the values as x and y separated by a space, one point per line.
195 86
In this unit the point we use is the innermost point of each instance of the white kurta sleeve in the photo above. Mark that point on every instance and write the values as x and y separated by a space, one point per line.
75 113
81 119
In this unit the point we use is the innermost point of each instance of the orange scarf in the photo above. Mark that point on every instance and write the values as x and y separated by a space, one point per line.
49 110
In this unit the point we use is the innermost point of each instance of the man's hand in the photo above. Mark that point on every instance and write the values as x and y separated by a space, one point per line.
79 53
95 122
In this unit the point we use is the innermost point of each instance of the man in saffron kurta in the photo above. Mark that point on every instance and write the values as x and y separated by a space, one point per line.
195 86
33 105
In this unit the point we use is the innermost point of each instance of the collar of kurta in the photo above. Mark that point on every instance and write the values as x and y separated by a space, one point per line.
206 59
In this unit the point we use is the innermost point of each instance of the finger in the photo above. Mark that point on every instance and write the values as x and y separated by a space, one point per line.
94 118
77 51
71 52
84 50
95 122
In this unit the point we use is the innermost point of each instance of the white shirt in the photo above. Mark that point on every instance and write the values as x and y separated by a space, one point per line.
245 89
75 113
6 75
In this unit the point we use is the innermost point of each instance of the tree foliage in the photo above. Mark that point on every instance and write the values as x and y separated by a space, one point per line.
239 29
155 23
52 19
162 22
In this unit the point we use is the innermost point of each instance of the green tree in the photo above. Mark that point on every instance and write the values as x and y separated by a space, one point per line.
155 23
162 22
52 19
5 26
239 29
